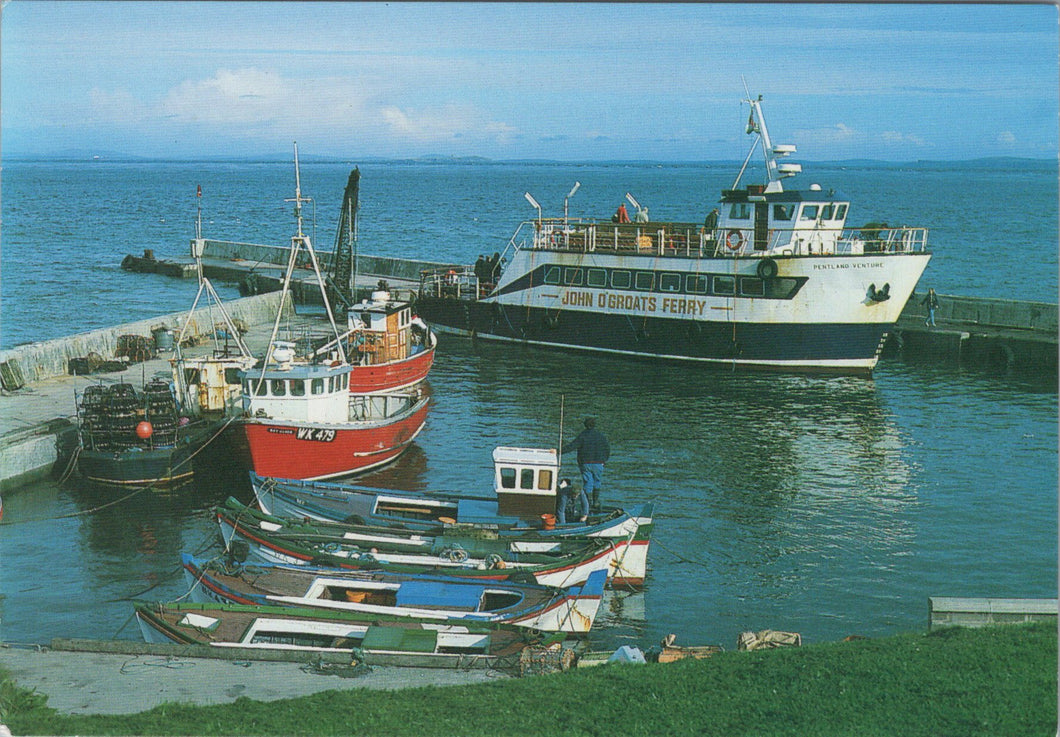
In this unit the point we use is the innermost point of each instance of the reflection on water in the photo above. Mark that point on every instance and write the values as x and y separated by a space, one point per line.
826 506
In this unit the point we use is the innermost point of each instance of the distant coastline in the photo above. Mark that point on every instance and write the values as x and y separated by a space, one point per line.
120 158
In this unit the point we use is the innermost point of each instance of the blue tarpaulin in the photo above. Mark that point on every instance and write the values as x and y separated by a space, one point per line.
438 594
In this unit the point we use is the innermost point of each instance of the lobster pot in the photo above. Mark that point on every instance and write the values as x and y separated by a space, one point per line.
536 660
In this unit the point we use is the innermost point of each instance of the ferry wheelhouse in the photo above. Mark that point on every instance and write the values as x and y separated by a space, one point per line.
778 281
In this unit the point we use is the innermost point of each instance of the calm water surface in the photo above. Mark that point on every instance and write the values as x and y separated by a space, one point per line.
826 506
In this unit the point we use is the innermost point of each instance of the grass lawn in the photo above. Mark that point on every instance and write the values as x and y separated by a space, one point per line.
997 681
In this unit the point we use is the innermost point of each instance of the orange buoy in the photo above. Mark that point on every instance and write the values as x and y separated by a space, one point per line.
549 521
144 430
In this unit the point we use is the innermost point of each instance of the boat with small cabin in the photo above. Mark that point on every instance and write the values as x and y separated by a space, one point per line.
774 280
151 437
544 608
525 490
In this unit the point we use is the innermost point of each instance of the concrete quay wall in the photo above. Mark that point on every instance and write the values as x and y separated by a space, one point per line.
997 334
28 364
382 266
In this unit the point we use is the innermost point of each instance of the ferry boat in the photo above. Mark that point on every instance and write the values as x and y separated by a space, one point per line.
300 418
779 281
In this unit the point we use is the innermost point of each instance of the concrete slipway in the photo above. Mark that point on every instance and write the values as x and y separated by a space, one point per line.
129 683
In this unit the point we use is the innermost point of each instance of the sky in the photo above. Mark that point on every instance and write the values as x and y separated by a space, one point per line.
568 82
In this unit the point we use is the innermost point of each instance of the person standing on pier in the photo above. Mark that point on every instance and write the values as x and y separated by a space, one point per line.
593 452
932 302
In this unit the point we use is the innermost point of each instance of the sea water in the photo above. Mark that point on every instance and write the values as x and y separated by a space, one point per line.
826 506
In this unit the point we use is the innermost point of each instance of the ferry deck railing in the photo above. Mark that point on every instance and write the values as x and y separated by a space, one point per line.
672 239
691 240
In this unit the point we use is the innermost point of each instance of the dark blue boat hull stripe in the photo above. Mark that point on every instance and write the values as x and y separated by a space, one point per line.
752 342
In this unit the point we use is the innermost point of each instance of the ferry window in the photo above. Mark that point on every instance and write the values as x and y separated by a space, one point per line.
783 212
507 478
644 280
809 212
552 275
297 388
317 387
724 285
526 478
840 212
696 284
231 376
191 376
752 287
780 288
740 211
620 279
279 388
572 277
669 282
544 480
596 278
828 212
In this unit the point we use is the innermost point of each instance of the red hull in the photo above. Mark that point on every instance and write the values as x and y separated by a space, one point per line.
393 375
279 449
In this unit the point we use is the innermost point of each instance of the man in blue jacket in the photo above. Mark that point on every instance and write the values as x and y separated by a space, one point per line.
593 452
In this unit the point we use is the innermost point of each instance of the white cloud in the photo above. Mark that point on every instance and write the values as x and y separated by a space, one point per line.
895 137
1006 137
443 123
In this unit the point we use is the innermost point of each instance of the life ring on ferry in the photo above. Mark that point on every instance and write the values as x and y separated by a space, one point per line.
767 268
734 240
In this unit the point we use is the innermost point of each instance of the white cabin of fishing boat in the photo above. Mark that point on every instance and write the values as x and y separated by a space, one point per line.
525 480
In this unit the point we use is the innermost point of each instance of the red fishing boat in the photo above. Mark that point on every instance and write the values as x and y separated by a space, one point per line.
300 418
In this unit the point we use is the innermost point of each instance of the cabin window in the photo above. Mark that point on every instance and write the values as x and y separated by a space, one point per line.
840 212
621 279
279 388
572 277
783 212
828 212
740 211
332 386
231 377
809 212
261 388
752 287
724 285
191 376
507 478
669 282
781 288
596 278
644 281
544 479
317 387
526 478
345 382
297 388
696 284
552 274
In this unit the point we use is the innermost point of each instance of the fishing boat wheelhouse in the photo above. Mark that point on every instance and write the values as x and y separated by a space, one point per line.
775 279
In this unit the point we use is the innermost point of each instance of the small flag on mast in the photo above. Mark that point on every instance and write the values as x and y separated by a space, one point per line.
198 191
751 127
